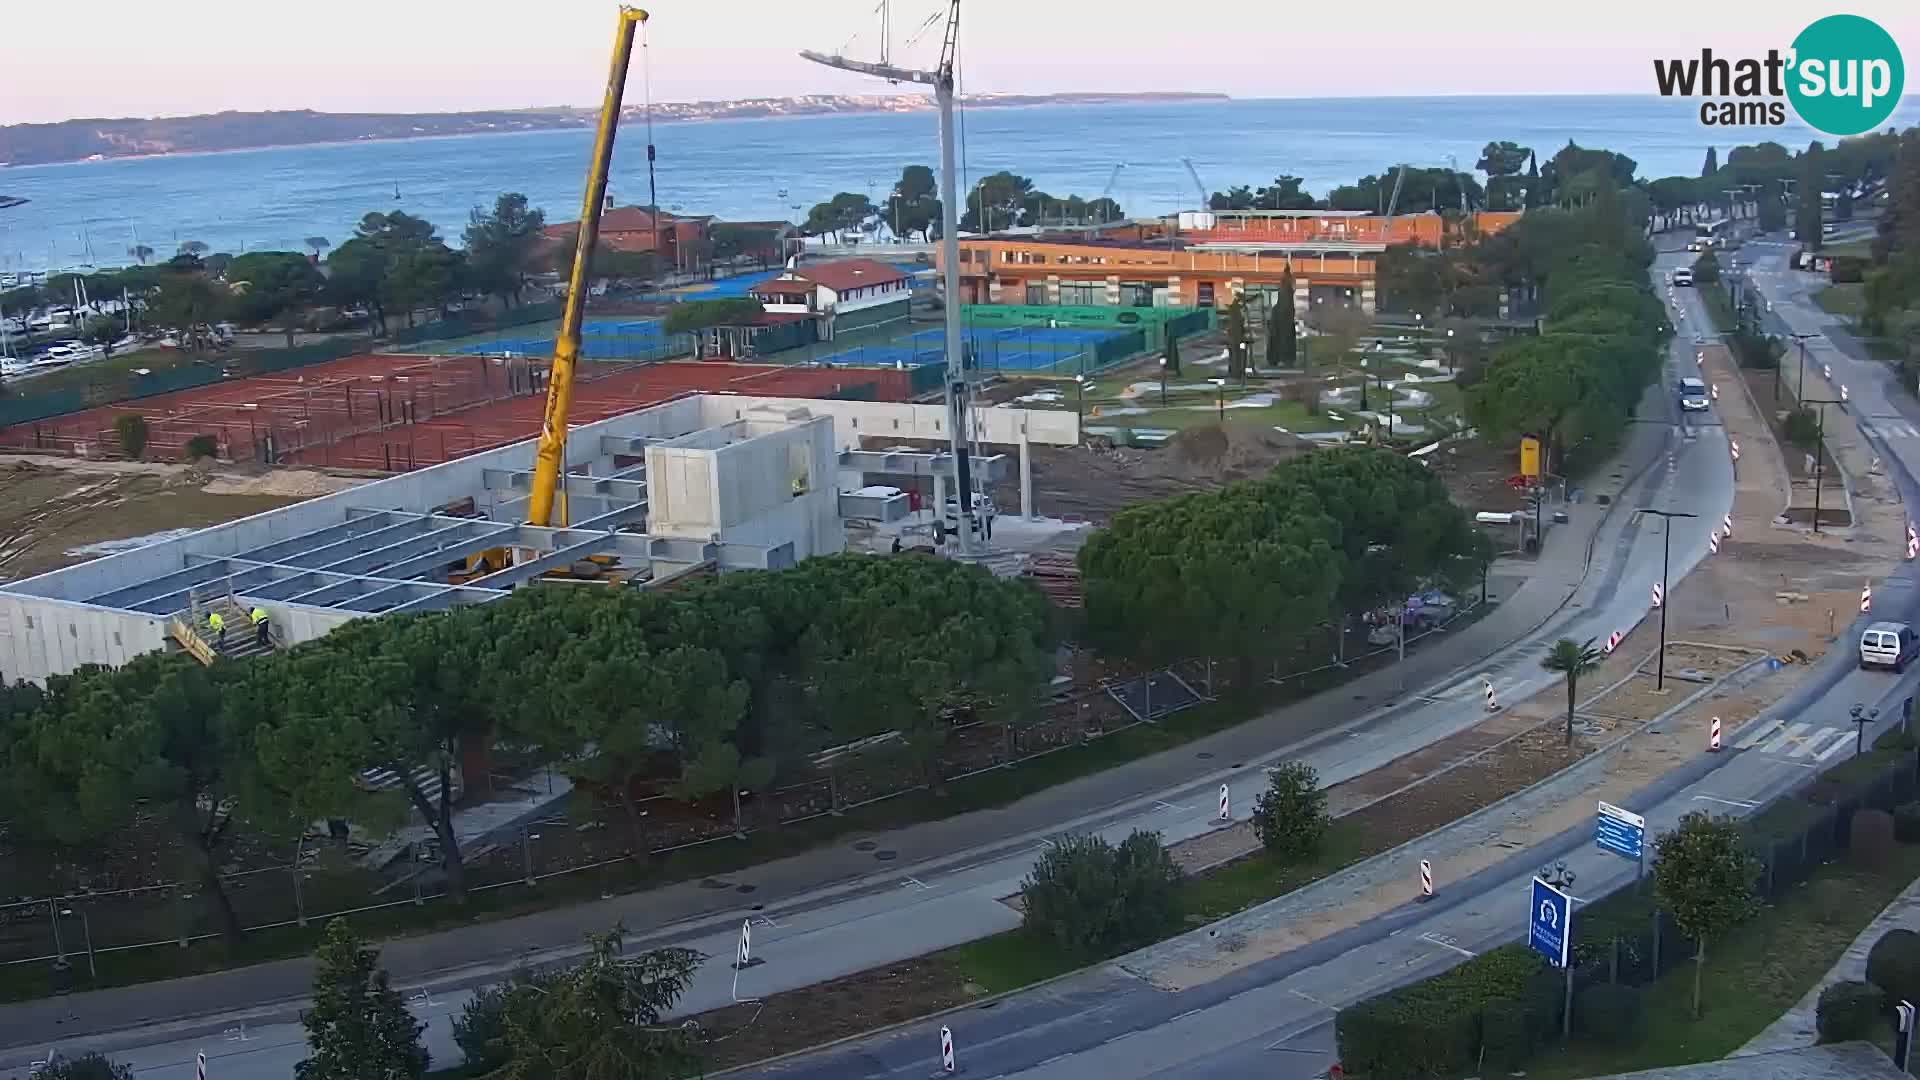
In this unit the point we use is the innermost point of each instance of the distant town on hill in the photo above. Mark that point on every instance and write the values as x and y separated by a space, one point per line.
87 140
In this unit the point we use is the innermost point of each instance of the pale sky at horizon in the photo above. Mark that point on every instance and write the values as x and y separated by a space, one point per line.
175 57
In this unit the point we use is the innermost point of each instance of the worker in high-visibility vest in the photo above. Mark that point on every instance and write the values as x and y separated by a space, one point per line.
259 617
219 627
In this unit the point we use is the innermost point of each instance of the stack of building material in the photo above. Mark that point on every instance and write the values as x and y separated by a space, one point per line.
1058 577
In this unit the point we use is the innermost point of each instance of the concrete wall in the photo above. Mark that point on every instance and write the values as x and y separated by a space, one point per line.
40 637
883 420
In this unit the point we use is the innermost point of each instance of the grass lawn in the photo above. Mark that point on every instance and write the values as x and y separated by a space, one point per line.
1845 300
1751 978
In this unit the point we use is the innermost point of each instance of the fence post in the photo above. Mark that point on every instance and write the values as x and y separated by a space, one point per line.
299 900
526 851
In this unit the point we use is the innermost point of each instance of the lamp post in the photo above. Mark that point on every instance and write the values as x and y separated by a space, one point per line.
1819 449
1163 382
1080 398
1220 385
1666 563
1449 350
1562 879
1801 392
1862 716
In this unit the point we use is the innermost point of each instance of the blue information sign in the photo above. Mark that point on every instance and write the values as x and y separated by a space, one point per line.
1550 922
1620 831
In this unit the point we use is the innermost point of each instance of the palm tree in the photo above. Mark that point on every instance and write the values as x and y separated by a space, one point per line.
318 244
141 252
194 248
1574 660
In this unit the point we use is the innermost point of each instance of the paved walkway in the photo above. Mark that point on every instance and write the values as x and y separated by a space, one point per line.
496 946
1796 1028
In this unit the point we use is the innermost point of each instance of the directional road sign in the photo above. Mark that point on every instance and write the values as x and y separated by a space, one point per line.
1550 923
1620 831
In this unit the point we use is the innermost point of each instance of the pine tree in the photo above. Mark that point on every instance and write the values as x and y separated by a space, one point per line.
358 1027
1283 346
1534 194
1713 162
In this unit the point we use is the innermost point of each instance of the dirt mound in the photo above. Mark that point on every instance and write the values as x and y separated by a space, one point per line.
284 483
1214 452
1092 483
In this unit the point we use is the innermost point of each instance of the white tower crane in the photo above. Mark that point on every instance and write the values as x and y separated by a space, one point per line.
959 382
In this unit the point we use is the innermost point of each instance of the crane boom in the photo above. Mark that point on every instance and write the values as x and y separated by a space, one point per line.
1198 185
549 458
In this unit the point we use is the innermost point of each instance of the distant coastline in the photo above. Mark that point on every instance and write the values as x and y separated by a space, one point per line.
104 140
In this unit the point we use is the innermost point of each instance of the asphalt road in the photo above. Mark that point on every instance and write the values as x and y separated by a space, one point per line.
810 939
1274 1019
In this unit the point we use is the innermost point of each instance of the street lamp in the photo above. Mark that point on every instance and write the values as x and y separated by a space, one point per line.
1080 398
1163 382
1801 340
1220 385
1862 716
1819 449
1449 350
1666 563
1562 879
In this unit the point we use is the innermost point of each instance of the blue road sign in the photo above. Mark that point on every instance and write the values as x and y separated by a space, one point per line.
1620 831
1550 923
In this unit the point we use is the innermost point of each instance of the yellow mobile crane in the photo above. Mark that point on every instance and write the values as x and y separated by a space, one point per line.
550 458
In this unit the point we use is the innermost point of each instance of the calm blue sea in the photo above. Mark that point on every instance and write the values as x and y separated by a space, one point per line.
775 168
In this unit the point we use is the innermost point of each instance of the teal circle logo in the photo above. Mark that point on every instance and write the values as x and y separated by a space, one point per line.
1846 75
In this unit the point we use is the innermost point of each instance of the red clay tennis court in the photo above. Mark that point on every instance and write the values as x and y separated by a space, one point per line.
393 412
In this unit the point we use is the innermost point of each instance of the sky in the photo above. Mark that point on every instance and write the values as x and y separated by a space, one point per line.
176 57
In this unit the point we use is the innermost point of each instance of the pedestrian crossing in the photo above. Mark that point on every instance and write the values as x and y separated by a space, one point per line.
1889 429
1806 742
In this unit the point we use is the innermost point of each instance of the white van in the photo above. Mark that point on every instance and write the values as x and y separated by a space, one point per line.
1683 276
1888 645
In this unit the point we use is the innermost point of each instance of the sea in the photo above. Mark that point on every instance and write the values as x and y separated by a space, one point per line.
91 213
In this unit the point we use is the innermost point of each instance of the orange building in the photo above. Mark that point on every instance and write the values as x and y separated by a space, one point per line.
1206 259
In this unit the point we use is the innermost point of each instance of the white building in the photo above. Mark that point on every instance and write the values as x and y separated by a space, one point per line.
845 294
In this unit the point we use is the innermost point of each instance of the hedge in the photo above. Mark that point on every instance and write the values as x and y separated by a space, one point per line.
1849 1011
1906 822
1435 1027
1893 965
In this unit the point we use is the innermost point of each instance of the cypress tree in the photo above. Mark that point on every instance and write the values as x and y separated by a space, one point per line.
1282 343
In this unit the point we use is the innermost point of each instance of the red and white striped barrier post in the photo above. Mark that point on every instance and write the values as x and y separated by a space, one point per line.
200 1065
1866 598
1913 542
1486 686
1733 447
1826 372
1713 736
1426 881
1726 526
1659 595
946 1049
1613 641
1713 542
1715 391
1843 394
1226 804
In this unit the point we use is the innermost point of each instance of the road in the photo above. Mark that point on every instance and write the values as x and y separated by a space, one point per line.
1274 1018
820 935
